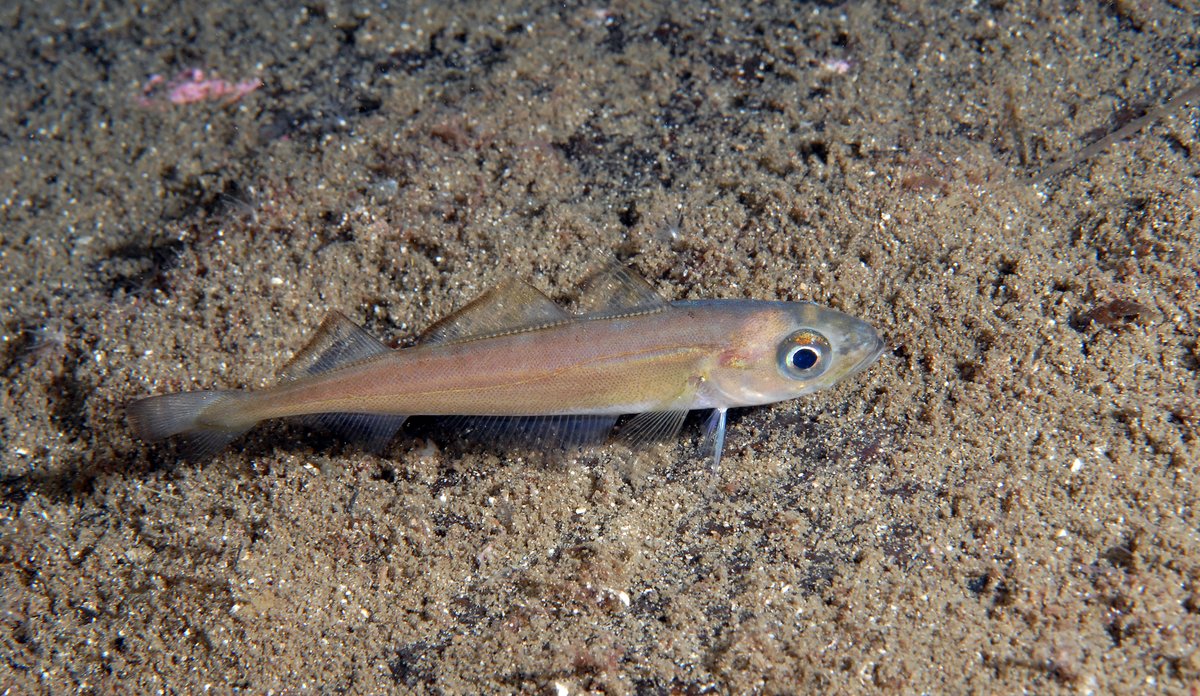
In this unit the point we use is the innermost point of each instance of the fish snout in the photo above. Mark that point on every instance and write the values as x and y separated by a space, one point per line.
860 345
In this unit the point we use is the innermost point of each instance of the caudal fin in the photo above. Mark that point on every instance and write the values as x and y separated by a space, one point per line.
159 417
206 423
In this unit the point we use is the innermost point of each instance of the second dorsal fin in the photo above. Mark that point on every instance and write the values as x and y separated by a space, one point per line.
510 307
617 290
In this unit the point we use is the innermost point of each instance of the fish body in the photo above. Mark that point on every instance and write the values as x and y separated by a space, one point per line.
515 361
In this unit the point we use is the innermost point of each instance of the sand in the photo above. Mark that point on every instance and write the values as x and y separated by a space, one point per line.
1006 502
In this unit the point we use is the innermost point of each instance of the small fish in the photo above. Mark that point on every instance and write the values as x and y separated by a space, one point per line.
514 366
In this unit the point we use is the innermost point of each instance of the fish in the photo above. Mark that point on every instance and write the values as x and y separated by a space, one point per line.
515 366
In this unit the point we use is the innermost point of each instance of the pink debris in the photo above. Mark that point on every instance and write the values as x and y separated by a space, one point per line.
837 66
191 86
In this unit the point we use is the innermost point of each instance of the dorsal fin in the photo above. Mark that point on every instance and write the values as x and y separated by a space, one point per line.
336 343
510 307
339 342
617 290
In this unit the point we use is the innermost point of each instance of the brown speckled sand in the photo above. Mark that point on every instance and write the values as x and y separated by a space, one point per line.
1007 502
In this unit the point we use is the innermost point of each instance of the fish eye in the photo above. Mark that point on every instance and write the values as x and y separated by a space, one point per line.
804 355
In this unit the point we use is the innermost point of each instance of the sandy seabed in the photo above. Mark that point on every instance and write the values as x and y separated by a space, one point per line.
1005 503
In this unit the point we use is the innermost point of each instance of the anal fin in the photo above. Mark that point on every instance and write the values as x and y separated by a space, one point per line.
543 433
372 431
339 342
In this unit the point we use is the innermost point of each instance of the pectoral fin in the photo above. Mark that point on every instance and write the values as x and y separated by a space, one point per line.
652 426
662 423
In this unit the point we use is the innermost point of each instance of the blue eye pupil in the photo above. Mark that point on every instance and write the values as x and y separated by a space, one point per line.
804 358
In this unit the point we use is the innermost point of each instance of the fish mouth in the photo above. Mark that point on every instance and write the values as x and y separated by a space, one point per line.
868 345
876 351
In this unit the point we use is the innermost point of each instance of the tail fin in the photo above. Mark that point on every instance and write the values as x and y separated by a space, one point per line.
158 417
207 424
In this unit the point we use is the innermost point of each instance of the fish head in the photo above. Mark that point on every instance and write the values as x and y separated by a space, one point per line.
784 350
